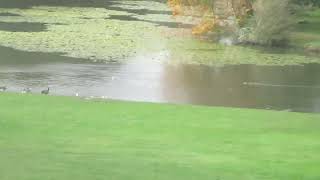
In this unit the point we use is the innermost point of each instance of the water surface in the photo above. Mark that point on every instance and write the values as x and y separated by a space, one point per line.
92 29
289 88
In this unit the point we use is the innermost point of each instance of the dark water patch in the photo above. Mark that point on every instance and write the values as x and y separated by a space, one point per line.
9 14
67 3
12 57
110 5
86 18
22 27
289 88
139 11
156 23
171 24
123 18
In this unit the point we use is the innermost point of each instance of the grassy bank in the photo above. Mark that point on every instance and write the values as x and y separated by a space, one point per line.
306 33
43 137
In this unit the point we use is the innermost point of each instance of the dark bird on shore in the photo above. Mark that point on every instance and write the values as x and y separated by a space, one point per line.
46 91
3 88
26 90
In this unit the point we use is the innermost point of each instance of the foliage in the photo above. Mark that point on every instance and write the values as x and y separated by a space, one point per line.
307 2
215 13
305 33
270 23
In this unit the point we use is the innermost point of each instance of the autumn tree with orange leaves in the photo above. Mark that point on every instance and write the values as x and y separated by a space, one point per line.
214 12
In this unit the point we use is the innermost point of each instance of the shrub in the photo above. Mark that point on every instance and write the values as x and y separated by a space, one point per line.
307 2
270 23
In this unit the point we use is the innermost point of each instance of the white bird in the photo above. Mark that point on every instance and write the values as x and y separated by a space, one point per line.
226 41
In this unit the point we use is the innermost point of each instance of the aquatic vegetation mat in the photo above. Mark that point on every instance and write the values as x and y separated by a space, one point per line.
203 52
126 30
80 32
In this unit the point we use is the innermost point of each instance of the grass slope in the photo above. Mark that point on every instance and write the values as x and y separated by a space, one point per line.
307 33
63 138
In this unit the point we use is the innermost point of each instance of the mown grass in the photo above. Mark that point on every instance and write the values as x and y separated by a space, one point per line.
45 138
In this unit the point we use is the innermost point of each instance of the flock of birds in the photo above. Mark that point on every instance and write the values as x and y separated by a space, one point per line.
47 91
27 90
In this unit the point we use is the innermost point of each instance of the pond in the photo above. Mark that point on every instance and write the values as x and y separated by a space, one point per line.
135 50
289 88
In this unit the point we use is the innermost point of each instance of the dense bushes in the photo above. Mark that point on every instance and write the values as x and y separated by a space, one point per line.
307 2
270 23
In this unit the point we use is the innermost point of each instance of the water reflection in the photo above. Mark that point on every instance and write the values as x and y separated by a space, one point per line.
292 88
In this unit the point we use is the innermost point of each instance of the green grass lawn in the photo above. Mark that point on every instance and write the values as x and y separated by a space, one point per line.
63 138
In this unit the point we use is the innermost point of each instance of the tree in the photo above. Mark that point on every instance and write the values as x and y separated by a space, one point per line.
224 13
256 21
270 22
